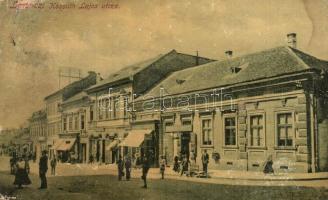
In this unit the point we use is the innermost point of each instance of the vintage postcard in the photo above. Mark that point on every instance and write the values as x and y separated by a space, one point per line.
164 99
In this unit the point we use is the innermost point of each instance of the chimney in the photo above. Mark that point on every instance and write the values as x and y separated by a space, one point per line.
291 40
228 54
197 58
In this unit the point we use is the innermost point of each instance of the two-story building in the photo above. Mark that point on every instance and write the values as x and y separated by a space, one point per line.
54 113
110 112
244 111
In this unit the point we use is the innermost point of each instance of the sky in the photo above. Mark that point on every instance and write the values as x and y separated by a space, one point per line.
36 43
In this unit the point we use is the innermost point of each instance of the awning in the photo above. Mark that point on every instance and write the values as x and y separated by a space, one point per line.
135 138
64 144
112 145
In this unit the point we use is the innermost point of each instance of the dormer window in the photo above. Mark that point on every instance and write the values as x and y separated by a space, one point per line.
179 81
235 70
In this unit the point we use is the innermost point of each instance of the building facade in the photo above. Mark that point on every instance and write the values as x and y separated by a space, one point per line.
54 103
244 111
112 116
38 132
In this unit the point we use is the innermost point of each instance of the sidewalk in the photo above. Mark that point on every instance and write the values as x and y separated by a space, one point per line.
216 176
66 169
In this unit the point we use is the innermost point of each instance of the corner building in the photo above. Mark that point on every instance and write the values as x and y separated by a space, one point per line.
244 111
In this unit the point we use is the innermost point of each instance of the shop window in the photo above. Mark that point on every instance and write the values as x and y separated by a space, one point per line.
285 129
230 130
207 136
257 135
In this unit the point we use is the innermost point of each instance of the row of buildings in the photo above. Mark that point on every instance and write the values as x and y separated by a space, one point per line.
243 110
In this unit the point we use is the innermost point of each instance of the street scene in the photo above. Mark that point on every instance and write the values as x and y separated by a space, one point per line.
163 99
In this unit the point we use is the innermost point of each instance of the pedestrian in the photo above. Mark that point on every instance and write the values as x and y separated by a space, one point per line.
205 161
53 164
128 165
27 164
120 166
193 157
21 176
145 168
13 165
43 168
185 166
162 165
176 164
91 159
268 169
34 157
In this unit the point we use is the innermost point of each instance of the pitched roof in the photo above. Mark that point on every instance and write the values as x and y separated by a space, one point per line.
76 97
255 66
131 70
127 71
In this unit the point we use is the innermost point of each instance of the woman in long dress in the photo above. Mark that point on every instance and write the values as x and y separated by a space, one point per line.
21 176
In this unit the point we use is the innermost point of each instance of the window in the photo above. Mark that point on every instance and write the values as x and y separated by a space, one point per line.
207 132
91 113
125 108
65 123
230 130
116 108
70 123
257 137
76 122
100 114
82 122
107 109
285 129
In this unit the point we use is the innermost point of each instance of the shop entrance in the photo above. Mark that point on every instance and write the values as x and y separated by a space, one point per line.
185 140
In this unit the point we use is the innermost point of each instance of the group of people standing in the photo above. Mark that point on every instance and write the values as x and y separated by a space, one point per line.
127 165
20 167
182 164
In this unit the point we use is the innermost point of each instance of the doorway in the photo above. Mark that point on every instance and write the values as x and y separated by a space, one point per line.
185 140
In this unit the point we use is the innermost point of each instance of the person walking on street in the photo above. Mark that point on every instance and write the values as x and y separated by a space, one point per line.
185 166
162 166
205 161
176 164
43 168
13 165
27 164
120 166
128 165
21 176
53 164
145 169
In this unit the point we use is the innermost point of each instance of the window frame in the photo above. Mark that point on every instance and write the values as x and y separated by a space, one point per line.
293 129
65 123
231 115
249 129
211 128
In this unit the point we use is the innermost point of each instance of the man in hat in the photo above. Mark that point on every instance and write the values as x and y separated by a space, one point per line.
43 168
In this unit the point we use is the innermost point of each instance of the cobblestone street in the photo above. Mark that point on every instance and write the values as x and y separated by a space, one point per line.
107 187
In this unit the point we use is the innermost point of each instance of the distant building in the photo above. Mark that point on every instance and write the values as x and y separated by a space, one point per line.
38 132
244 111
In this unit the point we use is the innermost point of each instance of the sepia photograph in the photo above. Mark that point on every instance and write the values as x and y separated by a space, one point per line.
164 99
